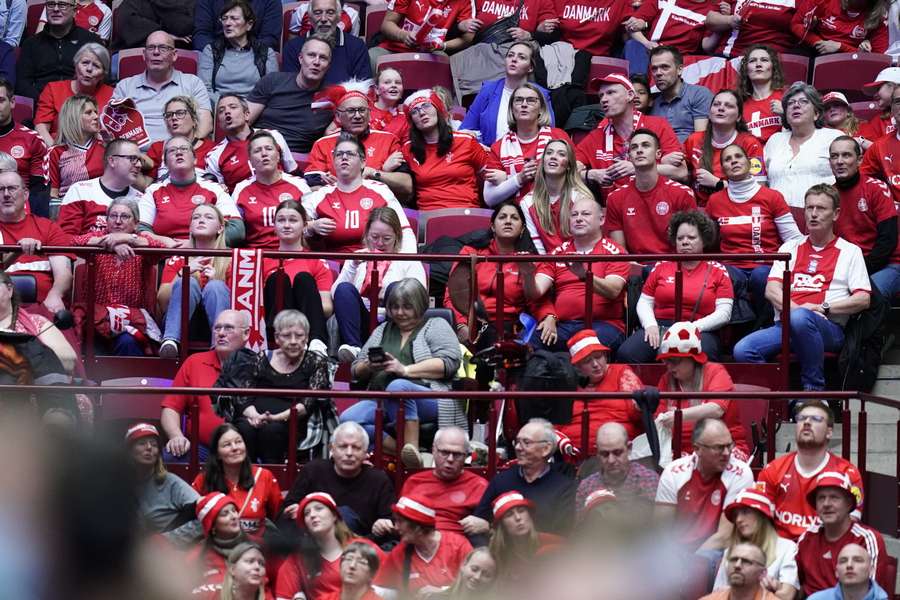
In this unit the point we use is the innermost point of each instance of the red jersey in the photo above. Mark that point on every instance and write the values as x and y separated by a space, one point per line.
762 22
55 94
643 217
160 171
678 23
660 285
65 164
294 578
172 269
491 11
453 500
49 234
95 17
439 571
392 121
818 20
748 227
594 26
351 210
618 378
863 207
257 202
229 164
817 557
449 181
379 146
761 120
570 296
699 502
199 370
543 240
715 379
167 207
83 208
787 485
318 268
603 146
428 21
28 148
254 505
877 127
511 152
693 152
878 162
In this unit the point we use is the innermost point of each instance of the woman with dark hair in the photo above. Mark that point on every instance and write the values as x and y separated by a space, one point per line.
235 60
706 292
359 564
182 118
702 148
862 25
515 541
78 152
386 113
520 149
760 85
228 470
445 165
220 519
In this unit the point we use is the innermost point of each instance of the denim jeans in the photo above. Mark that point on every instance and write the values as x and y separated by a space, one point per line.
609 335
215 296
350 313
421 409
887 280
811 337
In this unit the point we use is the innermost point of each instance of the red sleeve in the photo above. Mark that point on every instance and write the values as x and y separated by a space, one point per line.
614 212
719 381
870 164
51 173
583 150
542 307
45 111
38 152
398 6
648 11
318 160
546 268
55 236
273 497
197 484
668 141
290 579
879 38
178 402
798 27
465 11
652 281
478 156
389 573
686 200
883 204
723 286
171 271
548 10
155 154
754 149
881 574
323 276
778 205
71 216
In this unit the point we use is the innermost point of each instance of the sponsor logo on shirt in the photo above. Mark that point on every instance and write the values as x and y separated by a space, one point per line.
808 283
755 166
583 14
165 200
336 205
795 520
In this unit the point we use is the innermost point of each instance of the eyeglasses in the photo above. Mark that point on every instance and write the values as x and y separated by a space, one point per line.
178 150
802 101
530 101
733 560
387 240
132 158
718 448
346 154
161 48
450 453
526 443
357 110
59 5
354 559
119 217
226 328
9 189
810 419
180 113
420 109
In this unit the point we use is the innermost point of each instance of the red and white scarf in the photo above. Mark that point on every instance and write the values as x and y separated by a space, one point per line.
247 292
511 156
610 135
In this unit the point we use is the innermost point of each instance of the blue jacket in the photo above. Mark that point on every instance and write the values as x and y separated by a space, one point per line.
482 115
349 59
875 593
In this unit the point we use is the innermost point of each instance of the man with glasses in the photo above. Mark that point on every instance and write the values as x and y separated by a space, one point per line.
835 497
208 27
694 490
161 82
53 273
50 55
384 160
231 331
84 207
789 479
452 491
745 566
537 478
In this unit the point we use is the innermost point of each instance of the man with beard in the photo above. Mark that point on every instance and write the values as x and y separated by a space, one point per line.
788 480
349 59
746 567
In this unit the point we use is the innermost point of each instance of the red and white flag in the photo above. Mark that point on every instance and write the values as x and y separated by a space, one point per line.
247 292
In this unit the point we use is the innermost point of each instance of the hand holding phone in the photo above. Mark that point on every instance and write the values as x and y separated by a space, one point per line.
377 354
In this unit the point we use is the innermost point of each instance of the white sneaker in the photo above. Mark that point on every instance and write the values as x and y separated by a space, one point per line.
347 353
319 347
169 349
410 457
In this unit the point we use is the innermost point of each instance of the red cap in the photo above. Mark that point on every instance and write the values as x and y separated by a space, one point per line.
583 344
505 502
141 430
209 507
751 498
321 497
598 497
838 480
415 510
619 78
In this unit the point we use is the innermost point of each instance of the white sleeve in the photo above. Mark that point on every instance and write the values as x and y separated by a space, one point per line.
354 19
495 194
786 560
532 230
717 318
297 18
146 206
105 29
409 243
645 310
287 158
741 482
667 490
777 271
787 227
858 277
226 204
347 275
310 202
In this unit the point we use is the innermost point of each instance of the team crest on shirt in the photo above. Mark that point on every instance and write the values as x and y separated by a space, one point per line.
716 498
755 166
662 208
284 197
858 33
449 158
93 20
862 205
165 200
370 151
630 211
198 199
812 266
17 151
366 203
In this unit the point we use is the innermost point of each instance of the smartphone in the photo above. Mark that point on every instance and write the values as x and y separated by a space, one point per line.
376 354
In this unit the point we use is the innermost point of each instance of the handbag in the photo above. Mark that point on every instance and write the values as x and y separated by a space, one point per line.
497 33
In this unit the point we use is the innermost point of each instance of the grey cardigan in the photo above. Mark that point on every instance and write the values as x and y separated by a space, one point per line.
436 339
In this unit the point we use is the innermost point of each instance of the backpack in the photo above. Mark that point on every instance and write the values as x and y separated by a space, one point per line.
547 371
864 338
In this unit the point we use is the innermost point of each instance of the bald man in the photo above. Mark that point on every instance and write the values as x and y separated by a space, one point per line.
855 571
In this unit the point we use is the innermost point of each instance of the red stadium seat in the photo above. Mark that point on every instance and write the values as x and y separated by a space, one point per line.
795 68
864 110
420 70
33 16
602 66
131 62
752 411
412 215
453 222
24 110
374 17
287 10
848 72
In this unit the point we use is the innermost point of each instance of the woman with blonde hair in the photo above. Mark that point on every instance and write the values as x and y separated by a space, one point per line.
557 186
210 280
476 576
78 152
245 574
181 117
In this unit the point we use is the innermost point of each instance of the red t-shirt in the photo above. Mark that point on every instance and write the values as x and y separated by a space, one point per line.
172 269
56 93
199 370
693 152
533 150
391 121
49 234
428 21
878 162
439 571
818 20
643 217
817 557
449 181
316 267
167 207
379 146
160 172
293 577
28 148
746 227
229 163
83 208
787 486
254 505
681 23
570 296
258 201
95 17
64 165
660 285
762 22
877 127
619 378
453 500
594 26
761 120
863 207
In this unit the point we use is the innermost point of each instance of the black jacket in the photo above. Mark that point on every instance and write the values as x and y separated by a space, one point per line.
136 19
45 58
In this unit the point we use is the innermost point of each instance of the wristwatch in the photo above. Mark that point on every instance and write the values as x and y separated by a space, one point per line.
376 176
826 308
